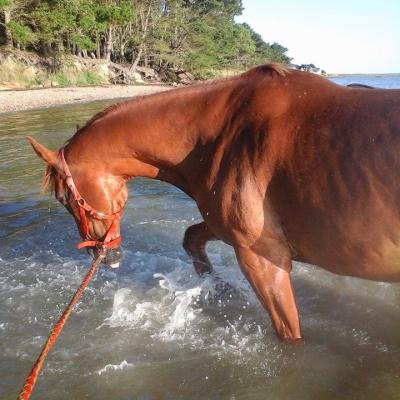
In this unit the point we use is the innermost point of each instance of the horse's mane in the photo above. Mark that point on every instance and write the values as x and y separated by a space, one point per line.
280 69
96 117
49 179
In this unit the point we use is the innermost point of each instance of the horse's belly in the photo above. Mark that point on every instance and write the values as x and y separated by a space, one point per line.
384 266
345 231
375 262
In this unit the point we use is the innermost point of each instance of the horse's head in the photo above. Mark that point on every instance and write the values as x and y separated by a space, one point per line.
96 206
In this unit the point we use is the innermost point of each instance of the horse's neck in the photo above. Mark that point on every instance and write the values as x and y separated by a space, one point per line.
157 135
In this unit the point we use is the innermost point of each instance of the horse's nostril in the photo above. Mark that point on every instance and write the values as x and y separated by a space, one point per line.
113 256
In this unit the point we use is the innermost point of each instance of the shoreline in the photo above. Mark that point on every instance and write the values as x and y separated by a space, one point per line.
15 100
389 74
31 99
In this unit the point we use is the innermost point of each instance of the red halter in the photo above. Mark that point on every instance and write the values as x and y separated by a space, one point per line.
84 207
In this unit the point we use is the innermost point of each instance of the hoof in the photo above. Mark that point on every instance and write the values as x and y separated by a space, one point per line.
222 287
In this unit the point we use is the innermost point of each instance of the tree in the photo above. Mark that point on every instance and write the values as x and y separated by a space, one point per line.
227 8
16 22
200 36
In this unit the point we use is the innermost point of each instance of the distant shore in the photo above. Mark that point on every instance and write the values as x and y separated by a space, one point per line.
20 100
332 75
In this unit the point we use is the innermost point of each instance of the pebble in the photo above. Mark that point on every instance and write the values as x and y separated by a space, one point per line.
19 100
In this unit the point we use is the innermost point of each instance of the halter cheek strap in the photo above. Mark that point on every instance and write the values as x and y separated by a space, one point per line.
84 208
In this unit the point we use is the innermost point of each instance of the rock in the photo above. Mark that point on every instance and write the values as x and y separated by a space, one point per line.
148 73
185 77
137 77
9 85
169 75
30 72
78 65
103 71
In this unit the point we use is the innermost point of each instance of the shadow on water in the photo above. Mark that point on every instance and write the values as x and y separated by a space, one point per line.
155 330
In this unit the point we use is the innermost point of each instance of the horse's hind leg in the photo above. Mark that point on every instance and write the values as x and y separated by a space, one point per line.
194 242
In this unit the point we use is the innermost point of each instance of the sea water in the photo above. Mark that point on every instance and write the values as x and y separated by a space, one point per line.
154 329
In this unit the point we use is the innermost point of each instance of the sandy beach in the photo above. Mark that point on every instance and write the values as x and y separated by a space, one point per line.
19 100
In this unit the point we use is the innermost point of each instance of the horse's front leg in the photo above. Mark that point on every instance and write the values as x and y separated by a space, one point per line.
250 224
273 288
194 242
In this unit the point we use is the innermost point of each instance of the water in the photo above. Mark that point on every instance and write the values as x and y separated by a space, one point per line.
391 81
155 330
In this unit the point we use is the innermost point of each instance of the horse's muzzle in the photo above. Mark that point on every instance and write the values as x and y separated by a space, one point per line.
112 258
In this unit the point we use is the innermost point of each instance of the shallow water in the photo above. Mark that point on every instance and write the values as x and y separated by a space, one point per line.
154 330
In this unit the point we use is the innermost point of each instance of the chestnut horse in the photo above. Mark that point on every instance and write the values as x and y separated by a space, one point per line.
283 165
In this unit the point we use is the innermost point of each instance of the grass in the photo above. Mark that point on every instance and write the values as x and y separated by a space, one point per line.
84 78
18 74
61 80
89 78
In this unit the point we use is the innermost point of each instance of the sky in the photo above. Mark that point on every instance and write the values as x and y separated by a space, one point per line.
339 36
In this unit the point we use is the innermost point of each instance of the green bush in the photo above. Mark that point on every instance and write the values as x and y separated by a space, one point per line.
62 80
89 78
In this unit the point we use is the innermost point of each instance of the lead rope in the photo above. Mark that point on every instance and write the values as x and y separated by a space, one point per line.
31 379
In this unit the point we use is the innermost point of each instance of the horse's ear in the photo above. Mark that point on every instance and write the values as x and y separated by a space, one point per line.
48 156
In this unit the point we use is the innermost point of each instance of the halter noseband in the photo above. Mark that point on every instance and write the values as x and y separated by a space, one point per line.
84 208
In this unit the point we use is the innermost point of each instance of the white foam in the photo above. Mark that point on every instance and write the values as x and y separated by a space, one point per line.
173 311
114 367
